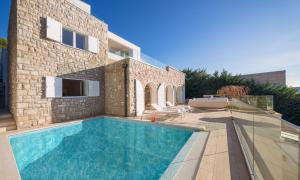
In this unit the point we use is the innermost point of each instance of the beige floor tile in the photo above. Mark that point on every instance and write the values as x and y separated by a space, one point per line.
222 144
222 167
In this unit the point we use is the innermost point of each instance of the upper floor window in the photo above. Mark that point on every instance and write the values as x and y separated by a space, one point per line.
81 41
67 37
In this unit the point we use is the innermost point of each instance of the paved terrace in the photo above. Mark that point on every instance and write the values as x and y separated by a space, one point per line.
223 158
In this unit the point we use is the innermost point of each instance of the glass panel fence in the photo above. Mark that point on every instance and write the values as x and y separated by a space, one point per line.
270 144
147 59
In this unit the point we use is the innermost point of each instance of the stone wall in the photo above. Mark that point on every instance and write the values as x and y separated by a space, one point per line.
114 88
145 73
32 57
148 74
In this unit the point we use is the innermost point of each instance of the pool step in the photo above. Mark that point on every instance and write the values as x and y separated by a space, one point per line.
7 122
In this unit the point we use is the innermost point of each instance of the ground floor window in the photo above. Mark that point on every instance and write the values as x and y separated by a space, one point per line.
73 87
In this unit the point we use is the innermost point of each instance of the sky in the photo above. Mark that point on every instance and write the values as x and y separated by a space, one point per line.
241 36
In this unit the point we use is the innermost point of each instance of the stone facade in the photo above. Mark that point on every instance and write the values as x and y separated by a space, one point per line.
148 74
137 70
33 57
114 88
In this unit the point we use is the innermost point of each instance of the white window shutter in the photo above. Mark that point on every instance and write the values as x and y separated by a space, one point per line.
161 93
140 98
53 86
54 30
93 44
93 88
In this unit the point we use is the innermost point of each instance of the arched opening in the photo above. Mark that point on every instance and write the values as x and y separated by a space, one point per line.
150 96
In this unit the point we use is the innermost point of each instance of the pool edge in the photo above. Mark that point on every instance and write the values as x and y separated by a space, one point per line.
185 164
8 165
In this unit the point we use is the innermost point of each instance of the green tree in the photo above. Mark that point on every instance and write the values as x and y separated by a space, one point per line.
286 100
3 43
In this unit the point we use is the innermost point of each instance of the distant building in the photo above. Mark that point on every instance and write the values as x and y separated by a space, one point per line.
275 77
298 88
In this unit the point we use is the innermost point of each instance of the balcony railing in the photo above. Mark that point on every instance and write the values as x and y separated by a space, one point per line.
149 60
270 144
115 56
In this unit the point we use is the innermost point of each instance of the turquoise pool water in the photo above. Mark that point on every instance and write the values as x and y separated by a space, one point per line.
102 148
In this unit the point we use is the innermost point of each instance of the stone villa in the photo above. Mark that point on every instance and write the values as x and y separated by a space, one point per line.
65 64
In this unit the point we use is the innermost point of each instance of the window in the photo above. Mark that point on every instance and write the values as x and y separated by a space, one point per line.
80 41
73 87
67 37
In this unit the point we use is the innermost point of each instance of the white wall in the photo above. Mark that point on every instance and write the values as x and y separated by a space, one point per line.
136 51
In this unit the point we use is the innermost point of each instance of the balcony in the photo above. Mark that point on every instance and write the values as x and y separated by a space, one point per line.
151 61
120 48
117 55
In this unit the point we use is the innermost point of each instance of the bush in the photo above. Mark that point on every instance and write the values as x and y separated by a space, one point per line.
286 100
233 91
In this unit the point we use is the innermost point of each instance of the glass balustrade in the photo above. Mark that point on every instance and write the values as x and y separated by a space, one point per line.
149 60
270 144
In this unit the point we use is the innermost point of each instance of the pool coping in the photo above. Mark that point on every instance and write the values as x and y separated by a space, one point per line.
186 162
183 167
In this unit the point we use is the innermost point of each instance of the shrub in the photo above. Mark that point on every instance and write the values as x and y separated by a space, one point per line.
3 43
233 91
286 100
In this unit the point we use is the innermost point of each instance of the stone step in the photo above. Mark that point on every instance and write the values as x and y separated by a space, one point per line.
6 116
7 122
8 128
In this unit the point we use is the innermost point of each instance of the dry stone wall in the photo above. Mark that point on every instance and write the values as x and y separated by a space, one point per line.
146 74
114 89
33 57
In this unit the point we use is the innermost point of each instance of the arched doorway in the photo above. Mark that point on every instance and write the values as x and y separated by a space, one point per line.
150 96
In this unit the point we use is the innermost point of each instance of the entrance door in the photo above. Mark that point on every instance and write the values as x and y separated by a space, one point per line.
3 79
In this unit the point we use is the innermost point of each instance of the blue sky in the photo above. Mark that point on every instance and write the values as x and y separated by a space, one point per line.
241 36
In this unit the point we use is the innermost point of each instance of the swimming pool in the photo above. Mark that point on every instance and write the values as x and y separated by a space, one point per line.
102 148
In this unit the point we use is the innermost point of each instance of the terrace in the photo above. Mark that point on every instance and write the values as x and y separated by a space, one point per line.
244 142
248 141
